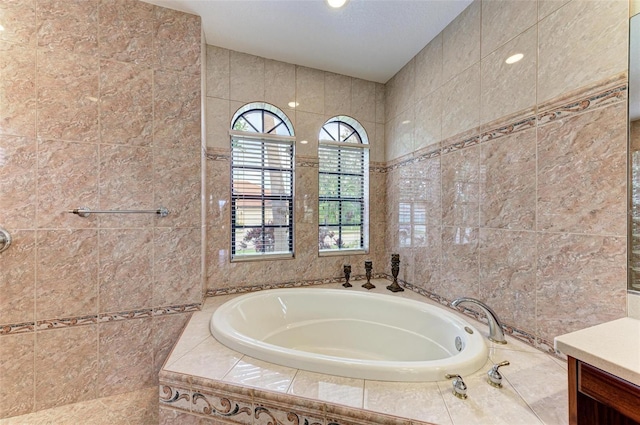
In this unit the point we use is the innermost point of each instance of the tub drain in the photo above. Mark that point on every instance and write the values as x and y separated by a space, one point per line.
458 343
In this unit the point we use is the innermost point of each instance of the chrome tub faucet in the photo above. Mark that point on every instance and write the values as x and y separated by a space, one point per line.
495 327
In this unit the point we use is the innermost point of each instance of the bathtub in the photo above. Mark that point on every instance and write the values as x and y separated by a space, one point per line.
352 334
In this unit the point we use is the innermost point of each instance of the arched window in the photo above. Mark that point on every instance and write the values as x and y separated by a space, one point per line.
262 143
343 195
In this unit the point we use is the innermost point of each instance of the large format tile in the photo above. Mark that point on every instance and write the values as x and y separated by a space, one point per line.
279 84
209 359
126 31
461 102
460 187
428 63
337 94
18 181
459 272
461 41
502 20
16 374
428 121
218 72
329 388
70 26
18 279
246 77
580 44
19 21
399 135
17 89
167 329
218 117
176 41
256 373
581 176
363 100
400 91
309 90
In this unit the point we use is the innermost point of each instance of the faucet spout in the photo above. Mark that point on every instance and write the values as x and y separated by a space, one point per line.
495 326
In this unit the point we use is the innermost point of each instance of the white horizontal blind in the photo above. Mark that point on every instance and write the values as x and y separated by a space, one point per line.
261 197
341 196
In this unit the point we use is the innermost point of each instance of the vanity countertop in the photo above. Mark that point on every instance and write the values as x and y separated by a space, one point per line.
612 346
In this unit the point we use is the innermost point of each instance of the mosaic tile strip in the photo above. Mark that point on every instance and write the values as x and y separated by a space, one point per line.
467 143
218 156
173 309
224 406
308 164
508 130
254 288
65 322
598 100
17 328
175 397
135 314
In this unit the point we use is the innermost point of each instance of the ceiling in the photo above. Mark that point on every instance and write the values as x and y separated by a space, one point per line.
368 39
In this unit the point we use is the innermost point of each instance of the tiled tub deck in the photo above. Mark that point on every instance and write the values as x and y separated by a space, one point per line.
204 382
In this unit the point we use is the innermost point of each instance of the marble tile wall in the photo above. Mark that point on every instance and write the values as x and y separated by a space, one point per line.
528 212
234 79
101 108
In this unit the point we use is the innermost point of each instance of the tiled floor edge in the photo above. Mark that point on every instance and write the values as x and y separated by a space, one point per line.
66 322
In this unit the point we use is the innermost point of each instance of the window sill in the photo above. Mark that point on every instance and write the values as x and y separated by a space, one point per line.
342 252
273 257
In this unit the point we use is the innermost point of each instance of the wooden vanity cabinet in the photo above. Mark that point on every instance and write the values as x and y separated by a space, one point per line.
599 398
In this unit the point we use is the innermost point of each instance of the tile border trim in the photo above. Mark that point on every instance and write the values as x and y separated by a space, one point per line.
66 322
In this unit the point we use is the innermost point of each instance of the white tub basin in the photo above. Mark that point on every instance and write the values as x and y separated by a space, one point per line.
348 333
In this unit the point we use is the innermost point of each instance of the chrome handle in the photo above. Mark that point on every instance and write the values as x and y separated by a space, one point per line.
459 387
5 240
494 375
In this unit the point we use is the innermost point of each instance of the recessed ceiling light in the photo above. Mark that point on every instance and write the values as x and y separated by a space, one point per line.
337 3
293 104
303 142
406 122
514 58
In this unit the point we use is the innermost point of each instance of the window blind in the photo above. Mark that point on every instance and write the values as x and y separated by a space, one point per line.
261 197
341 197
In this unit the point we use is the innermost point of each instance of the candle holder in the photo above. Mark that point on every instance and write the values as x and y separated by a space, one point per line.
395 269
368 266
347 274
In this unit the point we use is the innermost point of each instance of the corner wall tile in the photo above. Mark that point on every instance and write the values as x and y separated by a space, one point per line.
176 41
166 331
66 366
16 374
400 91
217 72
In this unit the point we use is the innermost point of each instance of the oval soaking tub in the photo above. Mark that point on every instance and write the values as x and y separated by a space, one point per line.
352 334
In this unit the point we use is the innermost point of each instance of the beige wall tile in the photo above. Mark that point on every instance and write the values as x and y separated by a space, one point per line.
381 116
126 356
546 7
337 94
306 195
634 7
363 100
307 129
126 263
66 366
580 44
19 21
508 182
581 282
581 173
17 282
166 330
399 135
459 274
399 93
377 151
17 89
18 181
177 187
509 88
218 118
310 90
428 121
125 31
428 65
126 91
71 26
502 20
17 374
461 102
461 42
217 73
460 187
280 84
176 42
246 77
633 305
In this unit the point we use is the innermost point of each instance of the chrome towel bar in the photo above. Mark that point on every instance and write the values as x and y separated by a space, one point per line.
84 212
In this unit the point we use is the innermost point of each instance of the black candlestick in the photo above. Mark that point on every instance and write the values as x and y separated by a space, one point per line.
368 266
347 274
395 269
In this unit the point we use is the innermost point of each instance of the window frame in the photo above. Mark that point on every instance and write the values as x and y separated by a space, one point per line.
331 144
254 137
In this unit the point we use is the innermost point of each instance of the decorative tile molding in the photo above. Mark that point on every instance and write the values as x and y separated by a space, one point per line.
299 284
599 100
206 404
66 322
